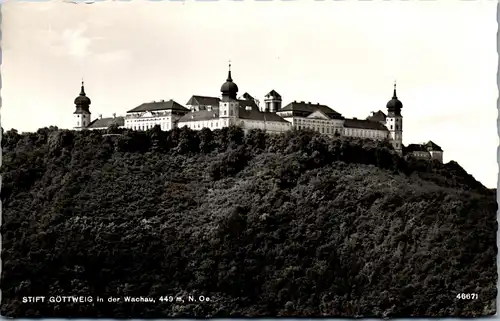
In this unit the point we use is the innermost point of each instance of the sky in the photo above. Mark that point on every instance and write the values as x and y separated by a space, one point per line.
345 54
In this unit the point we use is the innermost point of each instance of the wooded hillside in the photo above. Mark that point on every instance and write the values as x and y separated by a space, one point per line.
293 225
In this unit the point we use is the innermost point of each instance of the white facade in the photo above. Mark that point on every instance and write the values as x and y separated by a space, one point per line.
81 120
212 124
365 133
395 126
321 125
147 120
229 110
274 127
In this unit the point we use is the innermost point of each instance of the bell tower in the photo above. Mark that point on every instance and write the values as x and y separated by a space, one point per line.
394 121
81 116
229 105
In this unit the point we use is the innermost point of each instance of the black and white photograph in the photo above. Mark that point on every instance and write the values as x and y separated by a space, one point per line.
224 159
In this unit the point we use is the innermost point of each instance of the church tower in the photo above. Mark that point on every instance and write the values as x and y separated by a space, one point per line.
229 106
394 121
81 116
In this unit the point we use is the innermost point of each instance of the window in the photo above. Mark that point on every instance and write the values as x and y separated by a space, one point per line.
231 112
224 113
77 123
391 126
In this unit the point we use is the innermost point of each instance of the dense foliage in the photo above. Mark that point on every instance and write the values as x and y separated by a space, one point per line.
294 225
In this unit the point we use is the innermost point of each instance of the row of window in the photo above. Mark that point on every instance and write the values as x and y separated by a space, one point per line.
164 126
147 119
324 130
198 125
314 121
203 124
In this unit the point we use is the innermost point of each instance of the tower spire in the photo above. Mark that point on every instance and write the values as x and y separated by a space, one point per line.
394 96
82 91
229 73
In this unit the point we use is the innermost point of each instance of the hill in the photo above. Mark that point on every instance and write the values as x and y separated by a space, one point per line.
292 225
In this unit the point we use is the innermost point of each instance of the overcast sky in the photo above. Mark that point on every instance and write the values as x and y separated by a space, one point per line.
345 54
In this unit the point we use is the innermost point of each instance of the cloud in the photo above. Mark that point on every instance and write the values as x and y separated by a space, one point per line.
116 56
73 42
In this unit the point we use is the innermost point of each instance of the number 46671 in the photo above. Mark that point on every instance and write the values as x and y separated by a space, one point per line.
467 296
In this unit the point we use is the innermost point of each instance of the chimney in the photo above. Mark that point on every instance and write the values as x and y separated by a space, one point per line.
308 102
114 115
317 104
162 101
354 118
100 116
302 102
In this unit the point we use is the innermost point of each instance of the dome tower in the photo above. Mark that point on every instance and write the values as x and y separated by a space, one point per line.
394 121
81 116
229 105
229 89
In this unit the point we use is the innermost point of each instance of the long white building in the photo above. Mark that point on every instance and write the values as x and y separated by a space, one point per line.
247 112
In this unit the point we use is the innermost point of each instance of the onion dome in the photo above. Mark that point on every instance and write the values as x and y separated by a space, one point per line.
394 104
82 99
229 88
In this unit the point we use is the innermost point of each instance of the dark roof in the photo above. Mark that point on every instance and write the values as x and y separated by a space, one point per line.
200 115
253 114
250 103
273 93
105 122
304 109
364 124
258 115
377 116
203 101
431 146
159 105
415 148
247 96
214 101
